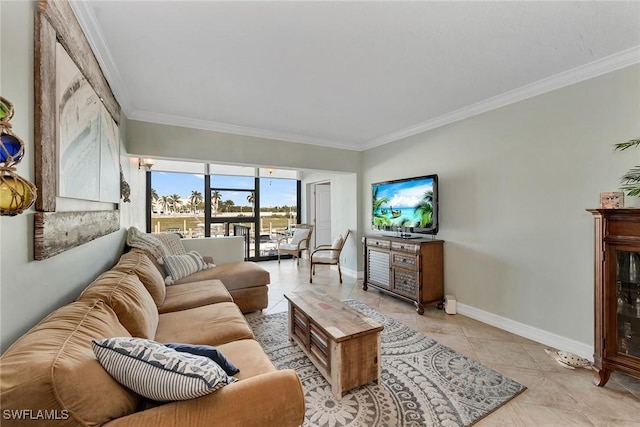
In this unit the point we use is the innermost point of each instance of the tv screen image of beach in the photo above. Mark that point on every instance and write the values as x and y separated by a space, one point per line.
409 203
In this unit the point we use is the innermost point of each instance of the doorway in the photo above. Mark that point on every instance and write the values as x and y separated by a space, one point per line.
322 213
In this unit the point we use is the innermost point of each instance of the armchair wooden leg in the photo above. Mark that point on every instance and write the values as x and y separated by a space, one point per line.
311 273
339 273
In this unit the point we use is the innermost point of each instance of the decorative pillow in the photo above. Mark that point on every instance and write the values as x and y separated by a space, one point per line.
158 372
178 266
147 242
172 243
337 244
299 235
207 351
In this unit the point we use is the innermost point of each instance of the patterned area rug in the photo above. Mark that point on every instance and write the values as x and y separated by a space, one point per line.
423 383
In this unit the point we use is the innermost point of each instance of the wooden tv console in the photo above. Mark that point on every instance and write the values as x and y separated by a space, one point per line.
411 269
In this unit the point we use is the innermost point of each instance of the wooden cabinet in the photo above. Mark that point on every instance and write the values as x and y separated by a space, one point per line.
617 293
411 269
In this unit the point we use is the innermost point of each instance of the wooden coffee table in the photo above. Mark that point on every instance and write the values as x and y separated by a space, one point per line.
341 342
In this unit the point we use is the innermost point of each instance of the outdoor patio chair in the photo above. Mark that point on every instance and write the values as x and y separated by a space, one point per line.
299 242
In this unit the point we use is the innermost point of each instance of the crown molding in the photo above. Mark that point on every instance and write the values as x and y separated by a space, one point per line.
91 28
166 119
593 69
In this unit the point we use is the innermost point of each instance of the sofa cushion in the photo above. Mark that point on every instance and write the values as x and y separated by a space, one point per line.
138 263
251 299
234 275
158 372
195 294
147 242
129 299
213 324
249 357
52 368
209 351
172 243
178 266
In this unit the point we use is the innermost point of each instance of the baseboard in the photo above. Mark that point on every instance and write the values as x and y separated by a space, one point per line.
526 331
352 273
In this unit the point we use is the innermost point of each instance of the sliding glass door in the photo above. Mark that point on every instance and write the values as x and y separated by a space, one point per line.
260 204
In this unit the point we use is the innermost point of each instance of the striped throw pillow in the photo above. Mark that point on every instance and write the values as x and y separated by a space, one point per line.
172 243
178 266
158 372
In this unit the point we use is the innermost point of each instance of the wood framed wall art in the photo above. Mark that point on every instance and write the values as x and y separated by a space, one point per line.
67 73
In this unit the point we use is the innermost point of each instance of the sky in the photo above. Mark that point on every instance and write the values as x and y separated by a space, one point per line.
405 194
273 191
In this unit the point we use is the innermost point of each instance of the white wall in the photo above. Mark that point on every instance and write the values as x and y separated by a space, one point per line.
345 212
29 289
514 186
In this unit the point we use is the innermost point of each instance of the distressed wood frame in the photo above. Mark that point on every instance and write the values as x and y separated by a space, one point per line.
56 232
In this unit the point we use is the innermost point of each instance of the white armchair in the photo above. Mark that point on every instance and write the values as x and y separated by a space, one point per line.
328 255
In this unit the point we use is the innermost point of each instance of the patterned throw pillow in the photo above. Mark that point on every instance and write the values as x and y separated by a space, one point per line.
172 243
147 242
207 351
178 266
158 372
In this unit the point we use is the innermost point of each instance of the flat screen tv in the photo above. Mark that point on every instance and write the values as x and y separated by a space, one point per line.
408 205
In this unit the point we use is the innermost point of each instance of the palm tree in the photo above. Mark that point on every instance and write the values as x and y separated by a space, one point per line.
154 198
376 205
165 202
251 199
216 196
425 208
195 199
176 202
228 204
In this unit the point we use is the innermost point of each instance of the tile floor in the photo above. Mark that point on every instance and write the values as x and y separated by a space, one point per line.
556 396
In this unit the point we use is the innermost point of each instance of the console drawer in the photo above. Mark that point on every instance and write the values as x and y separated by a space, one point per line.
404 260
405 247
382 244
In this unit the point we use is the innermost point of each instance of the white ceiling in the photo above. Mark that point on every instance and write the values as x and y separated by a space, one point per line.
347 74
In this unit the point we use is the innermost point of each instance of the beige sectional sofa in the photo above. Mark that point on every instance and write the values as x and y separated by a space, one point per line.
50 376
246 281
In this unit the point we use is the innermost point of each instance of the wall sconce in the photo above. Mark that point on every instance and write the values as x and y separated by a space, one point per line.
16 193
145 163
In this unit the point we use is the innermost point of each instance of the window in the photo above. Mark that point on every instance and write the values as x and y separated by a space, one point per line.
261 204
177 203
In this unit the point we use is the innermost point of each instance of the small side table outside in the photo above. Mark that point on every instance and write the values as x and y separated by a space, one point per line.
341 342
